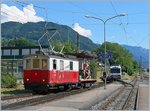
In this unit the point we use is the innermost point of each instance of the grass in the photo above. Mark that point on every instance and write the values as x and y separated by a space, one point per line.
99 74
14 91
125 76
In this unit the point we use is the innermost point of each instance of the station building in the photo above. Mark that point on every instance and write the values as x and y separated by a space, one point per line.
12 59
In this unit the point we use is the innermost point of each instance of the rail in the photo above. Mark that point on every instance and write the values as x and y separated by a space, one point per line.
46 98
121 96
129 97
16 96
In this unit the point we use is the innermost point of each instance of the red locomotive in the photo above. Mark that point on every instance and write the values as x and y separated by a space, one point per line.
51 69
48 71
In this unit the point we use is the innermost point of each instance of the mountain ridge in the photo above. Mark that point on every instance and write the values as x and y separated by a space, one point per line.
139 52
33 31
36 30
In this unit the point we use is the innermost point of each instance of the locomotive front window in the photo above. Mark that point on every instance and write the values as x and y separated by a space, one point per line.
36 63
61 65
115 70
71 65
44 64
28 63
54 64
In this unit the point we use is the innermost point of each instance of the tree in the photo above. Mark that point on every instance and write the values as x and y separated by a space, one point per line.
20 42
120 56
93 68
135 66
4 42
57 45
69 47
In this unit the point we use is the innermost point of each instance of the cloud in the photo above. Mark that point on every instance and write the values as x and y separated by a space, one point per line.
82 31
12 13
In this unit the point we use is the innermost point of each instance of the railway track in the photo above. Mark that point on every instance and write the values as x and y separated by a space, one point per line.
16 96
130 103
122 99
45 98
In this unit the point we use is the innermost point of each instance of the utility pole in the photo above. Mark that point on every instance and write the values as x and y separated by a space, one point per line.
140 67
104 22
78 42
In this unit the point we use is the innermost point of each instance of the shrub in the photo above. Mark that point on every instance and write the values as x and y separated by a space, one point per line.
8 80
93 68
130 71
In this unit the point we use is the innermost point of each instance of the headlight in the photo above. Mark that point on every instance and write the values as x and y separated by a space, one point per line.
28 79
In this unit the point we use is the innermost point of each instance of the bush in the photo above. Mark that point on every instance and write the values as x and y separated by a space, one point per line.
8 81
93 68
130 72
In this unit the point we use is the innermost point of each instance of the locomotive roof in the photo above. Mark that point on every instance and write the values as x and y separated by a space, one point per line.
116 66
55 56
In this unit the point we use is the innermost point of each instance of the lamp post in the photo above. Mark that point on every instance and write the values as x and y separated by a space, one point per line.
104 21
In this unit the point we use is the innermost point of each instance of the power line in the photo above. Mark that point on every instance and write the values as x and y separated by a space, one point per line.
128 22
56 9
137 13
13 15
84 9
143 39
23 3
43 8
120 20
27 4
123 25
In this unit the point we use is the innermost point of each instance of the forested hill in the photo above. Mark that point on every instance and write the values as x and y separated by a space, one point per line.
33 31
138 52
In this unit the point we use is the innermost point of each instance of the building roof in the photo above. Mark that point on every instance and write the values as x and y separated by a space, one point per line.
84 54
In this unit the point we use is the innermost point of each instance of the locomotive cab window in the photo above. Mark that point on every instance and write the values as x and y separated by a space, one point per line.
36 63
44 63
54 64
28 64
71 65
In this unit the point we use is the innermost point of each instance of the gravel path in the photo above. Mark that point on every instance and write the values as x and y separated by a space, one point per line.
117 100
10 101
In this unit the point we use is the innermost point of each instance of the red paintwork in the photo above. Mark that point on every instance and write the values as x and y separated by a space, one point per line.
50 77
57 77
36 76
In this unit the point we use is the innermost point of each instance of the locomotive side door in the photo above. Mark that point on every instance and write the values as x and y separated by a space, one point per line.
58 70
61 73
54 71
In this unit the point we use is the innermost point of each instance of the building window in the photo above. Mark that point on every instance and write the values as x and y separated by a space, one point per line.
71 65
33 51
15 51
25 51
36 63
44 63
6 52
28 64
61 65
54 64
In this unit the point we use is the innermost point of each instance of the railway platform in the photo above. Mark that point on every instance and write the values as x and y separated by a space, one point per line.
143 95
82 101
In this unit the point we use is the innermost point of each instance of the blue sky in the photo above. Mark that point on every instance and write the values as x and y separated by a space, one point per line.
131 29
